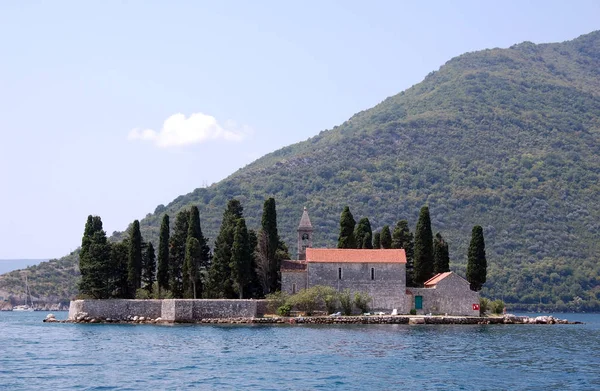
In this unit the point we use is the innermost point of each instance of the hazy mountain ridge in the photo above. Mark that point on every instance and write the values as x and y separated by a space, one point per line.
504 138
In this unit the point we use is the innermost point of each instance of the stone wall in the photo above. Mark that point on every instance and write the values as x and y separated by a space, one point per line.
173 310
291 278
451 296
386 288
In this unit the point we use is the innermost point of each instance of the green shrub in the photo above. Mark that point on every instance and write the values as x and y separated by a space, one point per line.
484 306
329 296
361 301
284 310
497 306
276 300
413 311
345 302
306 300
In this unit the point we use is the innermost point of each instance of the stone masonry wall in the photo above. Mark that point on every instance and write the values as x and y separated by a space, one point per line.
173 310
387 288
289 278
451 296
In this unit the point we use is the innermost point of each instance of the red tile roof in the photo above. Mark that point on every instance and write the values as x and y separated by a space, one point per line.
437 278
355 256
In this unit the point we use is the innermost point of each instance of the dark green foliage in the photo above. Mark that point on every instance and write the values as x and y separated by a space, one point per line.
241 258
148 268
347 223
162 275
284 310
134 262
94 261
386 237
220 282
377 240
363 234
403 238
413 311
119 255
177 253
477 263
497 306
441 256
268 260
484 306
423 266
361 301
345 302
200 256
190 272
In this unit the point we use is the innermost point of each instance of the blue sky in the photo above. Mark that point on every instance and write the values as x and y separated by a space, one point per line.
111 108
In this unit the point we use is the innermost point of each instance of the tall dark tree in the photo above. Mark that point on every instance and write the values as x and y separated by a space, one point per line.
220 283
95 261
191 272
403 238
134 264
241 258
347 223
255 288
377 240
162 275
423 268
268 262
177 253
386 237
119 254
476 263
202 255
363 234
148 268
441 255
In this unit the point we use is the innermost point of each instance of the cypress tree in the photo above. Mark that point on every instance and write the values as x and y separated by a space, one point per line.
177 253
386 237
377 240
241 261
134 264
202 255
270 246
162 275
476 263
423 267
441 256
191 280
364 234
149 268
403 238
221 285
347 223
95 261
254 288
119 254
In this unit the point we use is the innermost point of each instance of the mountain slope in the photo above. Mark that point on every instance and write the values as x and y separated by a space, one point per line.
505 138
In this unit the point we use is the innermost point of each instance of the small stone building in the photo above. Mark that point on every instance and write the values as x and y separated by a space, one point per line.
444 293
381 273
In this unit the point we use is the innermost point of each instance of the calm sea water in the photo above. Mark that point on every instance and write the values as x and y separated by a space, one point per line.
36 355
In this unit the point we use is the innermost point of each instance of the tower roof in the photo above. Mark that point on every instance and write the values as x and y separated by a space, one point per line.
305 220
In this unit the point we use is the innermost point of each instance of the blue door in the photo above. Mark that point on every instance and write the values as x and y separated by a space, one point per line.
418 302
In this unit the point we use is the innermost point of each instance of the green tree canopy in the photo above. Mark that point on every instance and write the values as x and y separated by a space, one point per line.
177 252
347 223
386 237
363 234
95 261
476 262
441 255
423 267
162 275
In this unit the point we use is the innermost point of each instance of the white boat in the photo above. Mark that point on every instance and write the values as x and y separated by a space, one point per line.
26 307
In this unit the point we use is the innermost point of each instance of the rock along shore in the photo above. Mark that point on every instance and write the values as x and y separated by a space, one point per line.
82 317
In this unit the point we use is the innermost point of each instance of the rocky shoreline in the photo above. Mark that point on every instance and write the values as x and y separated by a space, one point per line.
82 317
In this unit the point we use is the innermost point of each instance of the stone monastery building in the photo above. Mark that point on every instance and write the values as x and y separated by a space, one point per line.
379 273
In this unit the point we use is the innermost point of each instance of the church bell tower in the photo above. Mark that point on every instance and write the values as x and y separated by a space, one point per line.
305 234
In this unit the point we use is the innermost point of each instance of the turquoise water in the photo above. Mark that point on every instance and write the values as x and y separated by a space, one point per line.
36 355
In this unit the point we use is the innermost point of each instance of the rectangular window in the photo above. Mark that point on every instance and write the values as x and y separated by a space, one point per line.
339 273
293 288
372 273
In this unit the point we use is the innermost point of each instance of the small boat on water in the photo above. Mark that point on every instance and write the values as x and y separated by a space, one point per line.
28 306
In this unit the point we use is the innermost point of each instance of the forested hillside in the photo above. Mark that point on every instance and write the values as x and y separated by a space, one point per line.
508 139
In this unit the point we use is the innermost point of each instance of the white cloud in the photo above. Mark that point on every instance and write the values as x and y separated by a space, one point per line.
177 130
